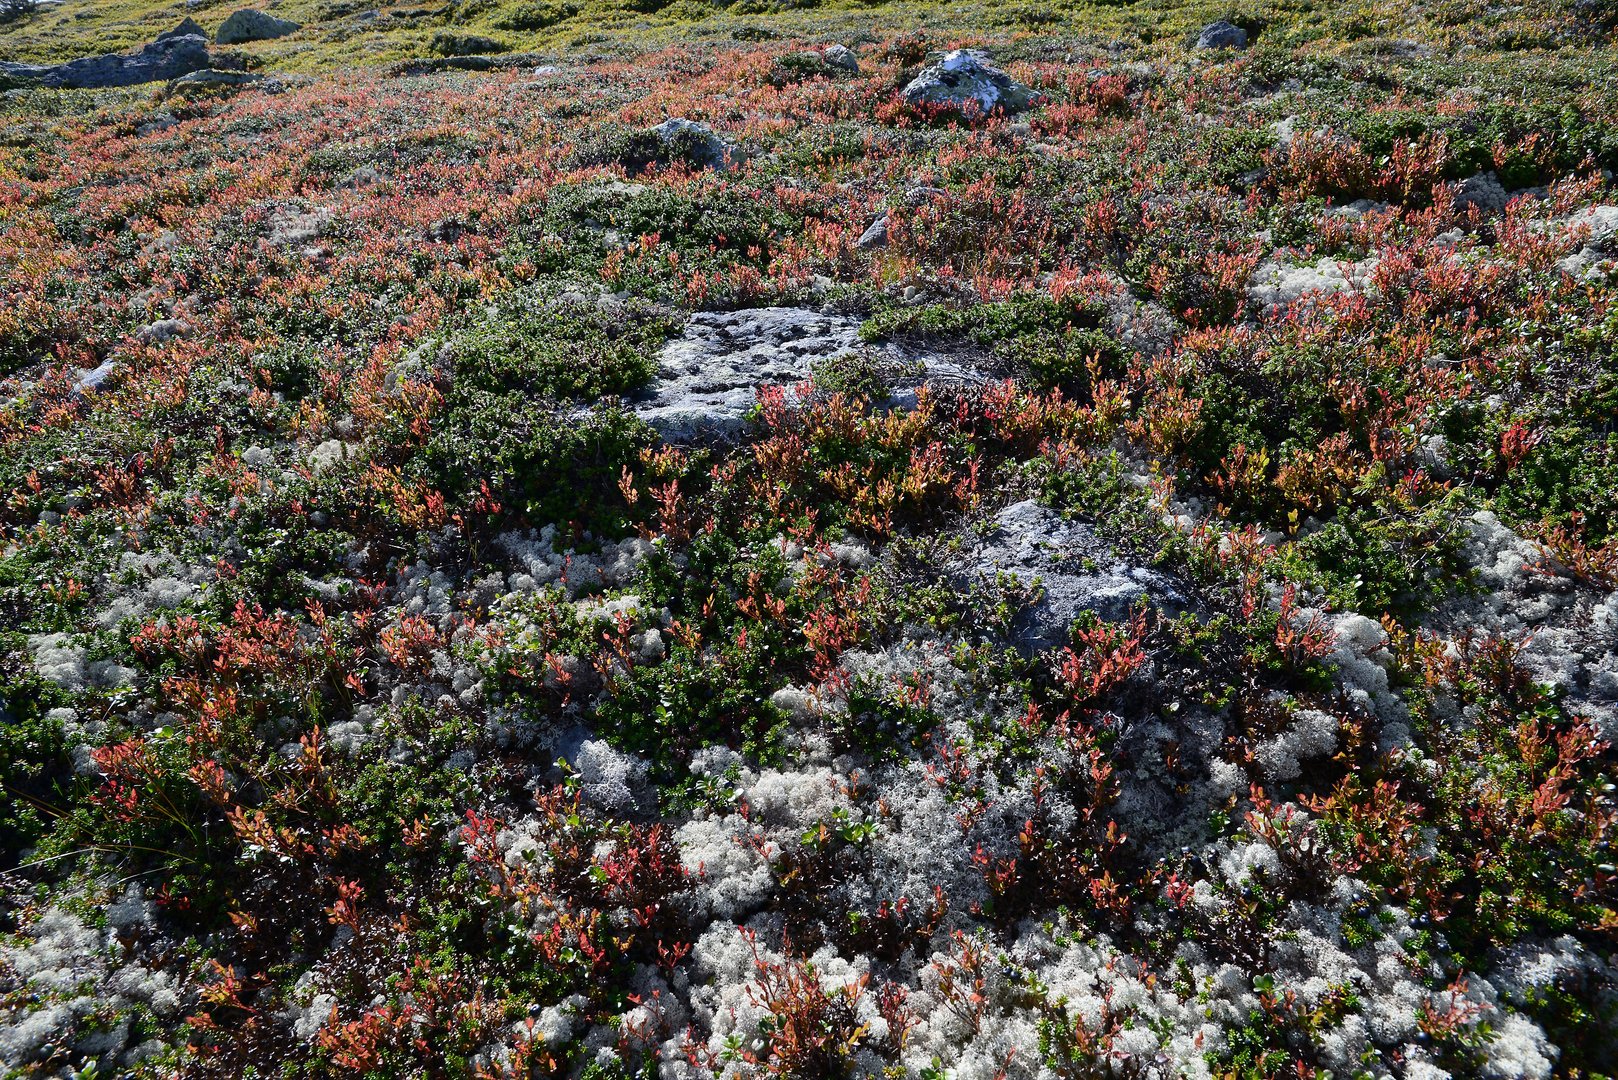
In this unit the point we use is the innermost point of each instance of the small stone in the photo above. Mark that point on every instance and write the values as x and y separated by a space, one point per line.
91 380
874 236
1222 35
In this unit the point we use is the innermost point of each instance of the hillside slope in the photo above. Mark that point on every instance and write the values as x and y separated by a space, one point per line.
905 541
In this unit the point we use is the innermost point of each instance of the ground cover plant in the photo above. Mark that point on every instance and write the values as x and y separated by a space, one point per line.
620 540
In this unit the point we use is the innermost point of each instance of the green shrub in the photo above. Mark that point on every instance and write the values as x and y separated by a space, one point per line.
34 767
540 16
799 67
708 231
445 43
528 342
540 458
850 374
639 149
1054 341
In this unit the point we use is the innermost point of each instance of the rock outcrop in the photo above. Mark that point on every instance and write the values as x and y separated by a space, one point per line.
249 25
1071 569
162 60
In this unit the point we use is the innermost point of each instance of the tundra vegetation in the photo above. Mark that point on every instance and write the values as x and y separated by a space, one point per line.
620 539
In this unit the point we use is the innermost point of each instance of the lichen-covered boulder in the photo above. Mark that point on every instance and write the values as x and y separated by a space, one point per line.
1222 35
249 25
965 81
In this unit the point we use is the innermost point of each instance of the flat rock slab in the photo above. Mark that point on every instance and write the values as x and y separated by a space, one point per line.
708 378
1077 571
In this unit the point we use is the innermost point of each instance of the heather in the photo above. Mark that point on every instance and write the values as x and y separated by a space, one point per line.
569 539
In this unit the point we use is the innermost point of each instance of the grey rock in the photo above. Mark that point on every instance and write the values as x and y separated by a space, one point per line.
875 235
91 380
249 25
698 141
1222 35
708 378
839 56
965 80
188 27
1076 570
160 61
